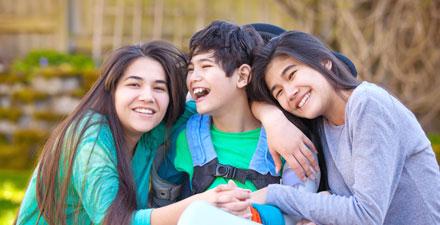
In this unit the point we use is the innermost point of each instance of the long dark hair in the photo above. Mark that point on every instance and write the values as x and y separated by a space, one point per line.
310 51
52 189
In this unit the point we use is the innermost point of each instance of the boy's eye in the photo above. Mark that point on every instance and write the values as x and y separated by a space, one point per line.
206 66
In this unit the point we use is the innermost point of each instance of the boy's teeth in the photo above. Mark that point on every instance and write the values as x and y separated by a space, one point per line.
144 110
198 90
304 100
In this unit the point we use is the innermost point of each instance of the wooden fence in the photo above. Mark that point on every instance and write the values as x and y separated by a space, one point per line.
96 26
395 43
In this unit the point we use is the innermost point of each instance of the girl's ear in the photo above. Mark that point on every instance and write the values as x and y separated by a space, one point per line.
244 75
327 64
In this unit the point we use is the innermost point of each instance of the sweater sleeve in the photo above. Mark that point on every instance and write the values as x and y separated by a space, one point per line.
95 177
376 164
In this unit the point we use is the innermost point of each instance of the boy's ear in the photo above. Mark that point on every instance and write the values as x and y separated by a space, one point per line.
327 64
244 75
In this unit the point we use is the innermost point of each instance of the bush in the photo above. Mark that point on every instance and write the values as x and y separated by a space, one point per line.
11 114
14 156
28 95
60 63
30 137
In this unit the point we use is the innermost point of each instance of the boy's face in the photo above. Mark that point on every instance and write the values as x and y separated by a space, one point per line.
208 84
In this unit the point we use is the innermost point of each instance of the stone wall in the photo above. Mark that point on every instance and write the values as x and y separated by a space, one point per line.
31 106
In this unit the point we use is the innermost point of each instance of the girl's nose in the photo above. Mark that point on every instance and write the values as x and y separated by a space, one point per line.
147 95
291 93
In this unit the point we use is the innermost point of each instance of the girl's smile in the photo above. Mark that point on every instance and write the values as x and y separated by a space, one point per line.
301 90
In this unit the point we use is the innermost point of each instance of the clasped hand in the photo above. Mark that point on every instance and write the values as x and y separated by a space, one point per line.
231 198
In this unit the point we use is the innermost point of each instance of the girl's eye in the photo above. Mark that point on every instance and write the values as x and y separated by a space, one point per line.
160 89
279 93
292 75
133 85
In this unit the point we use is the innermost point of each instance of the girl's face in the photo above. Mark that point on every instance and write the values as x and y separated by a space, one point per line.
299 89
141 96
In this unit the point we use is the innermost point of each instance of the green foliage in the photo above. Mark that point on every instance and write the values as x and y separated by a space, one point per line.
48 116
12 78
12 188
12 114
29 137
434 138
89 77
14 156
3 139
65 63
28 95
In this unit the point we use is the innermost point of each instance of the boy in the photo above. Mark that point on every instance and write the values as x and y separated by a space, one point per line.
224 141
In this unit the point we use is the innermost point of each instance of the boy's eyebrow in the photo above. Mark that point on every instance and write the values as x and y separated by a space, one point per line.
203 60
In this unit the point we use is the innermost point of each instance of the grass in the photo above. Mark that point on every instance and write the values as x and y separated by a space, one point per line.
13 185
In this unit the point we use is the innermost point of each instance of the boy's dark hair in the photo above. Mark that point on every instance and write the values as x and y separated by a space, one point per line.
231 44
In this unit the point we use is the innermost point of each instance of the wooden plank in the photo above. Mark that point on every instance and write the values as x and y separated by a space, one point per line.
24 24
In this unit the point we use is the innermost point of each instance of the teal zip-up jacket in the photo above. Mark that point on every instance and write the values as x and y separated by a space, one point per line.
95 181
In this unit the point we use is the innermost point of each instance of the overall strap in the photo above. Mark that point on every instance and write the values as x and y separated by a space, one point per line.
198 134
205 175
262 161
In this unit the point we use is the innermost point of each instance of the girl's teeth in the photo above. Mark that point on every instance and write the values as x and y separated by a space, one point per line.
304 100
145 111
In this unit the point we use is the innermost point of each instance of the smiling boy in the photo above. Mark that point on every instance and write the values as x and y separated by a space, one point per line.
224 141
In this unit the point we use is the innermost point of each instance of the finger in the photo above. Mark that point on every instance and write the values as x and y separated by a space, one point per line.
244 214
309 144
295 166
304 162
232 184
302 222
241 194
237 207
223 187
276 159
310 157
235 195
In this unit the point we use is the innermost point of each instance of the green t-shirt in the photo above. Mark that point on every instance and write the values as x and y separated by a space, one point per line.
234 149
95 180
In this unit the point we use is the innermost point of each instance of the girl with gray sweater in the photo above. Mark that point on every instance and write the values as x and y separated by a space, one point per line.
380 164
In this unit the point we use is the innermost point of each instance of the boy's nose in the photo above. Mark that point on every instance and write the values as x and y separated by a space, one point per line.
195 76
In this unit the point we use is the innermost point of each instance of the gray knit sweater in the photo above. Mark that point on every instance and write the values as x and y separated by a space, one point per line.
381 168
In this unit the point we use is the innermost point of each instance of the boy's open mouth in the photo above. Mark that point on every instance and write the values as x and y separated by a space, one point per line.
200 92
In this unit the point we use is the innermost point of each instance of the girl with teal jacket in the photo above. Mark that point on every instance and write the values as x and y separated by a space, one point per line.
95 167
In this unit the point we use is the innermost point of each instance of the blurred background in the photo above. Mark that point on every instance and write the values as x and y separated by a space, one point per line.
50 51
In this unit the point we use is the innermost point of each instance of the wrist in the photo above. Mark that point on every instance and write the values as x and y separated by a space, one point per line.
266 112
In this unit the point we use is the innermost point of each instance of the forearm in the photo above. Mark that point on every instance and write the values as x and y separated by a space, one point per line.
170 214
323 209
261 110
